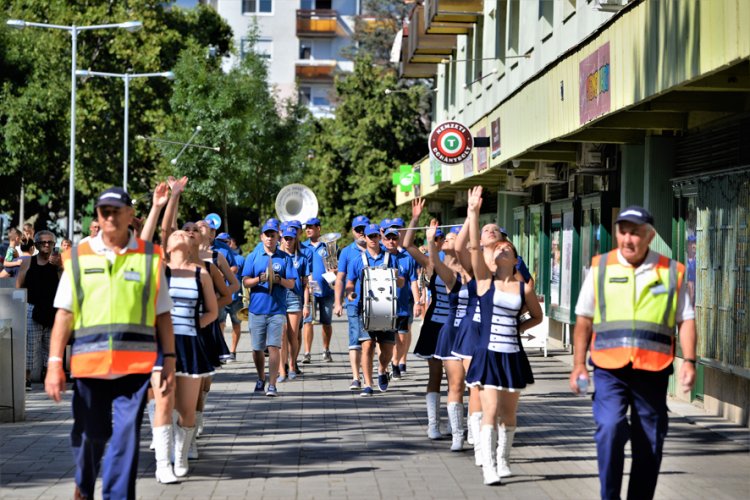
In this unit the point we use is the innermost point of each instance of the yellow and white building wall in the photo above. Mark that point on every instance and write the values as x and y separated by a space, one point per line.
592 105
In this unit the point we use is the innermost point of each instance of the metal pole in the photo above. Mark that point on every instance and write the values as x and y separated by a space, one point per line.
71 187
125 135
21 214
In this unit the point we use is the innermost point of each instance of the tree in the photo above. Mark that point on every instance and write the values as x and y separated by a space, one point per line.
376 27
35 96
354 155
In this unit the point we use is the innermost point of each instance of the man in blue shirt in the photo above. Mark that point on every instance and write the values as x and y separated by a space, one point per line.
268 274
349 253
373 256
323 292
408 296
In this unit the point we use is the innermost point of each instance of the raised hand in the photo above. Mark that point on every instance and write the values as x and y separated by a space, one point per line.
430 233
161 195
475 200
179 185
417 205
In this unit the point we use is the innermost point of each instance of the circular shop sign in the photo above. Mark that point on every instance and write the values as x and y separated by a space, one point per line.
451 142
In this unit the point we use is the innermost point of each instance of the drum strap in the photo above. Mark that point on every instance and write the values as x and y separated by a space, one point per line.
366 262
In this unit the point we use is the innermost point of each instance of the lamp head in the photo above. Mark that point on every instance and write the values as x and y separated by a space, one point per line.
169 75
82 72
388 91
16 23
131 26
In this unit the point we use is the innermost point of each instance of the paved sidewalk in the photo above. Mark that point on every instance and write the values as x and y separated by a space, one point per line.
320 440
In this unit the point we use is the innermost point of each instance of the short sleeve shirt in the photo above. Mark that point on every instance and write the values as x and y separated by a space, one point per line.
357 265
318 254
407 267
263 300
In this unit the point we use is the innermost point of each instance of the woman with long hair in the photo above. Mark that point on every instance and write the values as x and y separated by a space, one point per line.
296 298
499 366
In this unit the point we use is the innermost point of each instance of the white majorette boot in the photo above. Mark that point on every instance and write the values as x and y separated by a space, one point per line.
151 412
469 430
182 438
487 438
193 449
505 436
198 423
433 415
162 445
456 417
475 422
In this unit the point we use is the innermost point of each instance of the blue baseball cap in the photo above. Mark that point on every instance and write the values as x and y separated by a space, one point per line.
397 222
385 223
284 225
503 232
114 197
213 221
270 225
273 221
223 237
439 233
360 220
456 229
313 222
290 231
372 229
636 215
295 224
391 230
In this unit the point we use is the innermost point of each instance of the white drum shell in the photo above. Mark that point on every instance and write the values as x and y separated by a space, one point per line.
379 299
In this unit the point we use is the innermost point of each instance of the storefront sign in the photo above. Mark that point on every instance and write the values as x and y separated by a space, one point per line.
594 84
468 165
495 137
482 162
450 143
439 172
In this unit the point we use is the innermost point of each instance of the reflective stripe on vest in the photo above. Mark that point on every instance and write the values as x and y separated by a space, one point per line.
114 311
634 329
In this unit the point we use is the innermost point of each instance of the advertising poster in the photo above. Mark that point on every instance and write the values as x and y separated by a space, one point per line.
567 260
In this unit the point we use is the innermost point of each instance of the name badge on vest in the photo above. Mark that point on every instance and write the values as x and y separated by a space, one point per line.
658 289
94 270
619 280
132 276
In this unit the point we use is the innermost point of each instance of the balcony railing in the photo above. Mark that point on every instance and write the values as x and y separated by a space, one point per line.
318 23
315 69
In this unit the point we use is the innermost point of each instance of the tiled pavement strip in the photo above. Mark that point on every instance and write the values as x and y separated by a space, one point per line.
320 440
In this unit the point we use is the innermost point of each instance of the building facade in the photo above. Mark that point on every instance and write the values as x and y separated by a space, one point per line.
302 41
589 106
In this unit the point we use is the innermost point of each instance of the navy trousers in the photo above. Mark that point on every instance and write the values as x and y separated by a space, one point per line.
645 393
108 411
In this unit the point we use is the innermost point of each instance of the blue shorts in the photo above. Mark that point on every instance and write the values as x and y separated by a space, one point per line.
231 310
265 330
402 324
356 327
293 302
325 310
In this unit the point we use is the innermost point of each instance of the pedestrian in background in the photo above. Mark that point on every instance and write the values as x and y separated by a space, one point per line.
112 302
629 307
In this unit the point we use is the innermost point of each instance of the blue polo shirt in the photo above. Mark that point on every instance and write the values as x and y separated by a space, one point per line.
349 253
356 266
318 254
240 260
407 268
261 301
224 250
301 262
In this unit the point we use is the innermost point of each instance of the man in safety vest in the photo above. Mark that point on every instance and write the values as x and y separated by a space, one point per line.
111 300
631 304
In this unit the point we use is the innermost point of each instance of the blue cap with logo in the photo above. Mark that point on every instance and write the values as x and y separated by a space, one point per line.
456 229
636 215
213 221
503 232
295 224
397 222
314 221
439 233
223 237
391 230
270 225
289 232
372 229
360 221
114 197
385 223
284 225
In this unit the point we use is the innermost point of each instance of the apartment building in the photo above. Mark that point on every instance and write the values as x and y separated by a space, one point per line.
302 41
593 105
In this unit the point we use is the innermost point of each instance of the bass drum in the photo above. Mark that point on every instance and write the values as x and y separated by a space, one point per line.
379 299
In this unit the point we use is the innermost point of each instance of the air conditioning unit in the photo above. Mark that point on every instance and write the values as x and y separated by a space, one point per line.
545 172
513 183
611 5
588 155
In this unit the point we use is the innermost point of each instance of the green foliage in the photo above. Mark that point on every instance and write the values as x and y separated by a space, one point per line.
354 155
35 95
376 28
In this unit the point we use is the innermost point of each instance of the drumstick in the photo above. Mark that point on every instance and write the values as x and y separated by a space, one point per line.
269 274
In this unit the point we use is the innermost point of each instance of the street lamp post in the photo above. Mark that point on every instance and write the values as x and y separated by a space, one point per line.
126 77
73 30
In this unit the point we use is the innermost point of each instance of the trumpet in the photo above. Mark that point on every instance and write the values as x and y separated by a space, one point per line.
331 260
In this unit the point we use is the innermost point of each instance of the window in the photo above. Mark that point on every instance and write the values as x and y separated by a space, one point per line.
321 101
478 52
263 47
305 95
546 18
305 50
501 19
257 6
514 20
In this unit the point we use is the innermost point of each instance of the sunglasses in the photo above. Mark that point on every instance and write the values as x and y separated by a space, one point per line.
44 242
373 236
392 237
288 238
359 229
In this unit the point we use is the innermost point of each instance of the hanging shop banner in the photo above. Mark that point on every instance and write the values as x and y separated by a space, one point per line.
495 137
450 143
468 165
594 89
567 259
439 172
482 160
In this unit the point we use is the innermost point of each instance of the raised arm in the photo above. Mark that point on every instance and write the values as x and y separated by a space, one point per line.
462 252
169 222
445 273
417 205
481 271
159 201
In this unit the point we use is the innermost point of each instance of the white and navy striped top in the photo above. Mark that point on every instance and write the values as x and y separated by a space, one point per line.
439 306
463 303
506 310
185 293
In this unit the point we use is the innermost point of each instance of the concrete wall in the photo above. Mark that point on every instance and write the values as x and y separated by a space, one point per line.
726 395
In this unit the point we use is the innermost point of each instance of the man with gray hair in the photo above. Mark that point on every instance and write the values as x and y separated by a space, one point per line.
40 275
